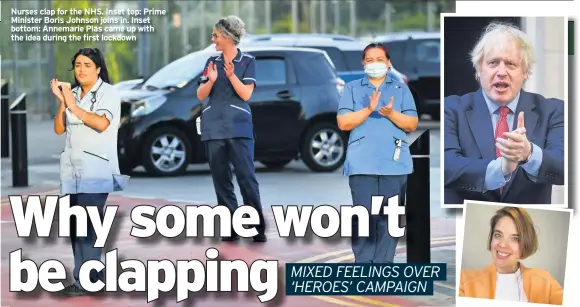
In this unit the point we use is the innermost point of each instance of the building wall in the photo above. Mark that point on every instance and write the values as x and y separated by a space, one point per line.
548 35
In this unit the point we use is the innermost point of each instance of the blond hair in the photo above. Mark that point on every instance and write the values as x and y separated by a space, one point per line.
495 37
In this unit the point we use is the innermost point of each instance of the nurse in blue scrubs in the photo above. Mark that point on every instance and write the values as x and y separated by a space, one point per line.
378 111
226 121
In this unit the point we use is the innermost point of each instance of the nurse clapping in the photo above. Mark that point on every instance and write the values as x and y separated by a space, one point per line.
378 111
89 115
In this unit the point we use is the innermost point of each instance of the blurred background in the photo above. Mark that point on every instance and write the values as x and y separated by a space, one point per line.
186 28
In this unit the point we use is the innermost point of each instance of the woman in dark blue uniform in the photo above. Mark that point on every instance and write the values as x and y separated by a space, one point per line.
378 111
226 121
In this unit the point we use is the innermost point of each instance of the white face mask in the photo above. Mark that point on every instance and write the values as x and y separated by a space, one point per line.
376 69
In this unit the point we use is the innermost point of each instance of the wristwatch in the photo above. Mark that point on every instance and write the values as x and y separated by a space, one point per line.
528 157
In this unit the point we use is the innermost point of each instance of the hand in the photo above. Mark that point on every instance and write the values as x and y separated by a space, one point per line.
515 145
375 97
55 90
229 68
69 97
386 110
212 72
509 166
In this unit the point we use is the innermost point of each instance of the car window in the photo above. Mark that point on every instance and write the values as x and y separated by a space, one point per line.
353 60
314 68
270 71
427 51
396 51
179 72
335 55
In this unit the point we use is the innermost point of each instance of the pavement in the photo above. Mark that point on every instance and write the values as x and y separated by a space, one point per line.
294 185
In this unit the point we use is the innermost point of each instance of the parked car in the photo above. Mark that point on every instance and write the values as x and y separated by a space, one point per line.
290 36
417 55
293 108
127 84
345 54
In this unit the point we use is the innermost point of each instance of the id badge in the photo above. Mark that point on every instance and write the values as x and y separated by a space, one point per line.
198 125
397 150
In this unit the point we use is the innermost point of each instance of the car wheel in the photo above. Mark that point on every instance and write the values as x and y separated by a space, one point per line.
323 147
275 164
165 152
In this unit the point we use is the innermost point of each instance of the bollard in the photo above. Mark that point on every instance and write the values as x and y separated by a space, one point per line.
418 203
19 142
4 102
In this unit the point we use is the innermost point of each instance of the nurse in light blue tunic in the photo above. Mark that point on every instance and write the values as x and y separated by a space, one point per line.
89 116
378 112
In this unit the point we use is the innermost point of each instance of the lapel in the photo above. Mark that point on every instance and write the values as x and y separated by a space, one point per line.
493 278
525 104
527 280
480 125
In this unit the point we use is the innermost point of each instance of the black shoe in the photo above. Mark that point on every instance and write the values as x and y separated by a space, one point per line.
73 290
230 239
260 238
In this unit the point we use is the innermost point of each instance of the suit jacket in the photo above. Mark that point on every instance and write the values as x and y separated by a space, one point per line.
539 285
469 144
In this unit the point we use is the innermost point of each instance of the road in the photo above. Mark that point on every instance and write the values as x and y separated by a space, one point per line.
276 187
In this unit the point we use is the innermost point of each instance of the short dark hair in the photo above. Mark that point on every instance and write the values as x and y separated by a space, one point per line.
376 45
97 57
524 226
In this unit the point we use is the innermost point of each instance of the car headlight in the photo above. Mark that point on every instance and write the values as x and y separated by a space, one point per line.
147 105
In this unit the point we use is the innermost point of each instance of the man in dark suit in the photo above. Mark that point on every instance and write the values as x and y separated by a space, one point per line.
503 144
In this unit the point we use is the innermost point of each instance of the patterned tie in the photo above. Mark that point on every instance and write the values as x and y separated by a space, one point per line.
500 129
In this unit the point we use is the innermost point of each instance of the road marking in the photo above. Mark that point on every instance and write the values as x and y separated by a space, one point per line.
339 302
349 251
371 301
444 285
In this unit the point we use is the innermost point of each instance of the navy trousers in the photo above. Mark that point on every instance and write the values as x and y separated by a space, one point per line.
379 246
239 153
83 247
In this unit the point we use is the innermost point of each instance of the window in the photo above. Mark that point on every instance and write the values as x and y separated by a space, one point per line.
270 71
178 72
427 51
396 51
336 56
314 69
354 60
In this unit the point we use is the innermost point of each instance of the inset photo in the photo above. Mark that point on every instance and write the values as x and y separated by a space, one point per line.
514 253
505 89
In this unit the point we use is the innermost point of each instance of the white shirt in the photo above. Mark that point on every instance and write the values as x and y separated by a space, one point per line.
510 287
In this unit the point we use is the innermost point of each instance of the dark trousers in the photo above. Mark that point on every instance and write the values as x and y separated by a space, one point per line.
83 247
379 246
239 153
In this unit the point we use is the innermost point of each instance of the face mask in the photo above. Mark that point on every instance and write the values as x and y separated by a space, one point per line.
376 70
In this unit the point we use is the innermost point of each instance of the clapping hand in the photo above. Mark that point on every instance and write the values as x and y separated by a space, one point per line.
515 146
229 68
69 97
55 90
375 97
386 110
211 72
